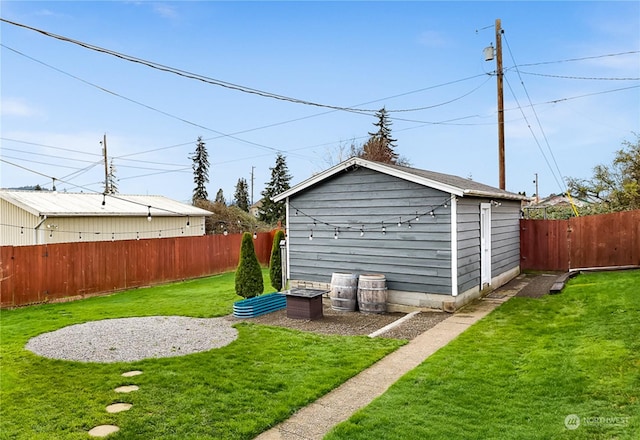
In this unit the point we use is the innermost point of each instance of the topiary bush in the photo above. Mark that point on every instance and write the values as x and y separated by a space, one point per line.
275 262
249 281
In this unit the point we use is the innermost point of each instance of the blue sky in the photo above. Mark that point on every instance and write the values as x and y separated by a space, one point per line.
401 55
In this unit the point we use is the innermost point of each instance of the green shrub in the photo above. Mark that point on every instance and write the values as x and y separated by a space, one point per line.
275 262
249 281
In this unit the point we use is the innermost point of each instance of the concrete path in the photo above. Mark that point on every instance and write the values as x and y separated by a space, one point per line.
314 421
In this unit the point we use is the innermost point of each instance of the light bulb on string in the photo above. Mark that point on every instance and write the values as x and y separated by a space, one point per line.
188 222
311 235
384 229
400 222
137 236
409 224
417 216
149 213
335 233
432 214
362 231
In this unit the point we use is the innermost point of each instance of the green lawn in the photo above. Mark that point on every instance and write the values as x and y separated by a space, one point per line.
521 371
234 392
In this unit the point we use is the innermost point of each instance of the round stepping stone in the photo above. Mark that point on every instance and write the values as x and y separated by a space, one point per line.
118 407
132 373
103 430
127 389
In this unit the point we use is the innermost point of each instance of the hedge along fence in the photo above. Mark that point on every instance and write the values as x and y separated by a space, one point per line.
42 273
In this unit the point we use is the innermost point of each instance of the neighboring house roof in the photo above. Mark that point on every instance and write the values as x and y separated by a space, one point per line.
561 200
455 185
52 204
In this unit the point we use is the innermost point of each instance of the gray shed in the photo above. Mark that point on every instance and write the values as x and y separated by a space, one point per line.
440 240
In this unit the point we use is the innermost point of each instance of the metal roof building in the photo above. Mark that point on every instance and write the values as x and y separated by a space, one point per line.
42 217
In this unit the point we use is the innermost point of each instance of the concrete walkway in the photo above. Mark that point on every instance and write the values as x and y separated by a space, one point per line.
314 421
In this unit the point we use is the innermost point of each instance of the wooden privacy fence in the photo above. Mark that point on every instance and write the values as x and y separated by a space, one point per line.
36 274
580 242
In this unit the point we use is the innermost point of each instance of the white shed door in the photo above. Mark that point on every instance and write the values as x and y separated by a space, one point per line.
485 245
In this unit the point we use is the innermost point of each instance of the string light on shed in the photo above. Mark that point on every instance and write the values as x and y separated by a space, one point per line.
384 229
311 235
417 216
362 231
335 233
149 213
400 222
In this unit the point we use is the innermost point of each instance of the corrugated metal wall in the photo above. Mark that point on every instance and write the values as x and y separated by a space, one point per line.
34 274
592 241
17 227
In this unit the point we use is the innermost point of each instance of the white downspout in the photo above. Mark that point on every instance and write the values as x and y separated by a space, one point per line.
36 231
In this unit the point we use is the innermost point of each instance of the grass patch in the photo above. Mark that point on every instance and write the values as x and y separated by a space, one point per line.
521 371
234 392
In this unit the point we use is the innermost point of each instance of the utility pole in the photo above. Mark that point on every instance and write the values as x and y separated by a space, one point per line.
106 165
252 168
499 75
537 199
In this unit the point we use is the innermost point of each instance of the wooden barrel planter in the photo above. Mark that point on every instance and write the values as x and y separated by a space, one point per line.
372 293
344 291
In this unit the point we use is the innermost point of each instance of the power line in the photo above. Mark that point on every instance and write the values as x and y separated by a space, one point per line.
561 185
185 73
186 121
589 78
581 59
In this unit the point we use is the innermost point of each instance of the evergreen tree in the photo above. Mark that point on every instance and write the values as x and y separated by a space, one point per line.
220 197
249 282
241 196
380 145
271 212
200 166
275 262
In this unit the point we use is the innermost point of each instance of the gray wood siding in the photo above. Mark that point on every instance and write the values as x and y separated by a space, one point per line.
505 237
416 259
468 243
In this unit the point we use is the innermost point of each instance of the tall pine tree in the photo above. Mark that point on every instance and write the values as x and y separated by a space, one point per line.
241 196
380 145
271 211
200 166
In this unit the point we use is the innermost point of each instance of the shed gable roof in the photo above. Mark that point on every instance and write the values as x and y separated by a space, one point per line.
451 184
90 204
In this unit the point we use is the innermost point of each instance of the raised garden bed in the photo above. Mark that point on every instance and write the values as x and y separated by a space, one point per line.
259 305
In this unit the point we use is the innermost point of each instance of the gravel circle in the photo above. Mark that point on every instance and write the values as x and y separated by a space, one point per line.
134 339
